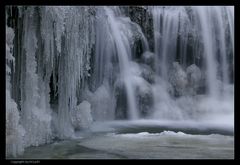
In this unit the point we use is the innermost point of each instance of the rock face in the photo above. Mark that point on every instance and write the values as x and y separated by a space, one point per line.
81 116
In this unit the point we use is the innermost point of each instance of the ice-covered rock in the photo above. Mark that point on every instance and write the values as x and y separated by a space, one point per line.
178 79
102 102
143 94
148 58
164 106
9 35
81 116
147 73
14 131
144 97
194 76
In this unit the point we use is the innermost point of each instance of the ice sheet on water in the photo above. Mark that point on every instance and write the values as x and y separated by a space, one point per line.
170 134
167 144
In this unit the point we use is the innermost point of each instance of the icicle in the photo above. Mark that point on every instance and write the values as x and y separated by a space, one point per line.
74 64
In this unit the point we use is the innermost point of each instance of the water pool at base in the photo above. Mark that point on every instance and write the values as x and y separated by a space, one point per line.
120 140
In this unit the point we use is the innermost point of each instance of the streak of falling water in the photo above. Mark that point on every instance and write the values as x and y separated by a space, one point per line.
124 54
166 29
205 21
222 45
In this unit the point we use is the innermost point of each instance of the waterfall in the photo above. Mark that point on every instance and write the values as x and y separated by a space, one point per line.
124 56
169 24
166 29
115 36
213 31
173 26
205 21
230 18
222 44
192 36
115 62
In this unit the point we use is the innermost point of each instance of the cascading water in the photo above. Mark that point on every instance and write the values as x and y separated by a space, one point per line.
124 56
222 44
166 28
119 33
213 32
78 65
205 21
197 36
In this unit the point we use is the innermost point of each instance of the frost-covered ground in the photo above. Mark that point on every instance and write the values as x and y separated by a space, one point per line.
130 140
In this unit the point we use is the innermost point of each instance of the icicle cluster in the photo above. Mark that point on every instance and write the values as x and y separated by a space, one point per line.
74 63
14 131
36 117
55 46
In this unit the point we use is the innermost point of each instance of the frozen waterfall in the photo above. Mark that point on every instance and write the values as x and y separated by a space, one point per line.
68 67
